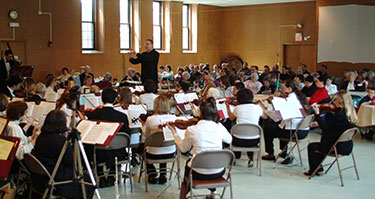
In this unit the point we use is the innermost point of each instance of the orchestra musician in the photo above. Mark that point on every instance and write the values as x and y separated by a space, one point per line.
149 95
130 77
207 134
161 116
6 64
333 125
241 114
108 113
284 128
13 84
148 60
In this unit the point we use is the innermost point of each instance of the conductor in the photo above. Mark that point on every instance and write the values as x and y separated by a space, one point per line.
149 61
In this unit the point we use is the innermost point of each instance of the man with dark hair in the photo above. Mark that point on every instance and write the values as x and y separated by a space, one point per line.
108 113
6 64
310 87
323 71
149 61
14 83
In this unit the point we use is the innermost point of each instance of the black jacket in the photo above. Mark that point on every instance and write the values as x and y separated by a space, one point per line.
149 62
309 91
333 125
111 115
357 86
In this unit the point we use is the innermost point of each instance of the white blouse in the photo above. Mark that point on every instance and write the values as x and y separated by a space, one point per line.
151 126
205 136
241 112
148 100
26 145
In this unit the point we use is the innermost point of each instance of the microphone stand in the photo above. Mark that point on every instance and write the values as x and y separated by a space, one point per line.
78 153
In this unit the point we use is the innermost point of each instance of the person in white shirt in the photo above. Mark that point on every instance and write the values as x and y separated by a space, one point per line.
298 80
285 128
149 96
331 88
242 116
15 111
225 86
208 134
161 116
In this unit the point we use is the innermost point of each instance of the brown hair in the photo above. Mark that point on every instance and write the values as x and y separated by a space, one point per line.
162 105
125 96
16 110
50 79
3 102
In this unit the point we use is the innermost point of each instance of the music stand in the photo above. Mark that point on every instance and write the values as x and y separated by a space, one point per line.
25 71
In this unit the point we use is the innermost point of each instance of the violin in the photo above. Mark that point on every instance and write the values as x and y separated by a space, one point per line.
144 116
325 107
181 124
196 102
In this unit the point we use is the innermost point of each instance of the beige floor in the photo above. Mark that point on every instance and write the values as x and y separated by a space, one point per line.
283 182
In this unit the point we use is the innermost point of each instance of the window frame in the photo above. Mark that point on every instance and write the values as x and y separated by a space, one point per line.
93 22
160 25
188 27
126 24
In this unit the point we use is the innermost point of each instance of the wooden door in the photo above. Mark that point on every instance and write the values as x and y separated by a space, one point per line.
296 54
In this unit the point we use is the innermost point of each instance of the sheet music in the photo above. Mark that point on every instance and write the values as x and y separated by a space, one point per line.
289 107
93 102
167 133
136 88
37 111
30 107
49 106
51 96
6 147
3 124
94 134
120 109
84 127
134 111
182 98
82 98
60 91
222 108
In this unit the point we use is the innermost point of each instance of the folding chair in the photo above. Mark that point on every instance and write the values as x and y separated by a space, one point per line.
346 136
212 160
121 140
305 123
241 130
157 140
37 171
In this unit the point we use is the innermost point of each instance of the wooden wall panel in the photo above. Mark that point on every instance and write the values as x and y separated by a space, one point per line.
252 32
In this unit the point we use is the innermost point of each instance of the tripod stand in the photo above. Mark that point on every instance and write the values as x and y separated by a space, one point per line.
78 150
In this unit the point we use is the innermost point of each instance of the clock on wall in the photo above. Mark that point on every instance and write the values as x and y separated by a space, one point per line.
13 14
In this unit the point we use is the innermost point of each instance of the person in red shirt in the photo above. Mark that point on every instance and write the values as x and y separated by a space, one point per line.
321 95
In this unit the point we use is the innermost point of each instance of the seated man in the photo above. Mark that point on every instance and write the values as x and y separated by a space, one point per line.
310 87
108 113
130 77
321 94
40 91
13 84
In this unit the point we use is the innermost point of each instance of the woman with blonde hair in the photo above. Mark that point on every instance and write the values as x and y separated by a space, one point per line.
161 116
333 125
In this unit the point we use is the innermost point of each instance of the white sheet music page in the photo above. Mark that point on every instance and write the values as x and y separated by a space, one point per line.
84 127
289 107
51 96
94 134
92 102
167 133
134 111
49 106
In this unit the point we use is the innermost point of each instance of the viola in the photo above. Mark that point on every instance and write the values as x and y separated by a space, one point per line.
325 107
181 124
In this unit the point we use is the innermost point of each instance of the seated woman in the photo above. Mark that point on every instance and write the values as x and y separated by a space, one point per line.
207 134
284 128
161 116
47 149
51 84
353 84
253 84
88 81
333 125
321 94
125 99
15 111
149 96
225 87
241 114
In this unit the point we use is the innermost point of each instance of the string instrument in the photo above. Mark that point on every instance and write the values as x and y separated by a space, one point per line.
170 94
181 124
144 116
89 110
15 63
230 102
325 107
196 102
138 93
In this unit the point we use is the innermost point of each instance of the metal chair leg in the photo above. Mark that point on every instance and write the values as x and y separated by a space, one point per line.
338 167
146 177
140 172
330 166
171 172
299 154
355 166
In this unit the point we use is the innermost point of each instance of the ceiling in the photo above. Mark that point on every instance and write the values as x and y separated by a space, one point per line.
227 3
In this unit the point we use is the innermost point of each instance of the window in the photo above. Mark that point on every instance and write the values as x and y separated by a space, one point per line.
157 24
185 27
88 24
125 41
